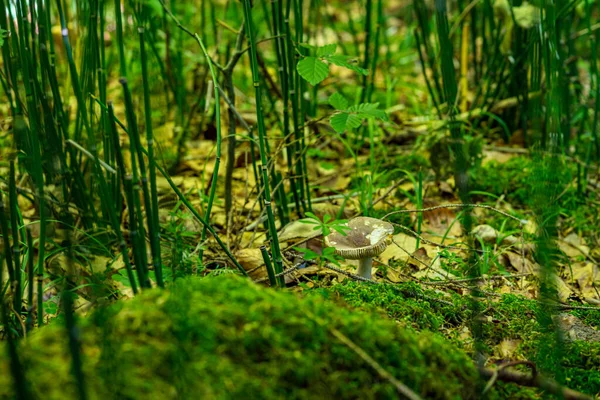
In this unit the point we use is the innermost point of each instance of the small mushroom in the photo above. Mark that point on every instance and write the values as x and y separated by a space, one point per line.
367 238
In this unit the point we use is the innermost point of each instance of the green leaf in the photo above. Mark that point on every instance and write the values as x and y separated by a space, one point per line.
312 215
344 121
369 110
328 166
346 62
342 230
326 218
326 50
154 5
338 101
308 221
308 253
326 230
328 251
312 70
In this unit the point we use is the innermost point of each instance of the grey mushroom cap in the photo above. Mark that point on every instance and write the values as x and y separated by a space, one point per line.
367 237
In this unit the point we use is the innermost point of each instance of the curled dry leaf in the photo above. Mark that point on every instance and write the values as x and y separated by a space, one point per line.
251 260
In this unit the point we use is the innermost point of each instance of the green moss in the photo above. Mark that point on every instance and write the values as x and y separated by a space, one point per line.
227 338
588 317
400 303
511 317
511 179
581 362
508 317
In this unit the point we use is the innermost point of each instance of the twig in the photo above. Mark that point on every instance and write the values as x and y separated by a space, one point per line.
284 273
401 388
534 380
427 241
387 192
481 278
91 156
408 294
494 377
521 221
568 307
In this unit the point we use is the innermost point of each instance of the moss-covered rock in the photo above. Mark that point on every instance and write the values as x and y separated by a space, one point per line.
228 338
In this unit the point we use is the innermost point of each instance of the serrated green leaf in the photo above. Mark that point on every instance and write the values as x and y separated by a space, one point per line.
326 218
312 70
326 50
344 121
346 62
338 101
369 110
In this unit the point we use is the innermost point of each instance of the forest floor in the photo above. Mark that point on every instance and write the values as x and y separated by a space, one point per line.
425 279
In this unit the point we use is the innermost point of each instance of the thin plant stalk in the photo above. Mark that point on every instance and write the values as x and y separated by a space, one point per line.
268 266
215 177
114 220
16 246
262 140
17 371
152 204
73 332
179 194
136 186
367 50
227 72
30 283
378 29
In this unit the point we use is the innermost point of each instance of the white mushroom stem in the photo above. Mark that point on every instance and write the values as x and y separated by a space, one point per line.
365 266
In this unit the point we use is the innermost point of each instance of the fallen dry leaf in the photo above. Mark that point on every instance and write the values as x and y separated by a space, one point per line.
402 245
507 347
252 262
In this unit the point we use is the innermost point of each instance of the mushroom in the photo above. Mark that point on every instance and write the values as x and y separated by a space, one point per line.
367 238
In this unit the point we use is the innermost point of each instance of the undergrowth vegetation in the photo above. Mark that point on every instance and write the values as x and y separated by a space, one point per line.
147 142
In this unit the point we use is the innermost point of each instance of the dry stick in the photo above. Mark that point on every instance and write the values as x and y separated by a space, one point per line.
535 380
481 278
390 189
363 279
447 282
284 273
568 307
502 367
521 221
261 218
89 155
427 241
401 388
502 374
